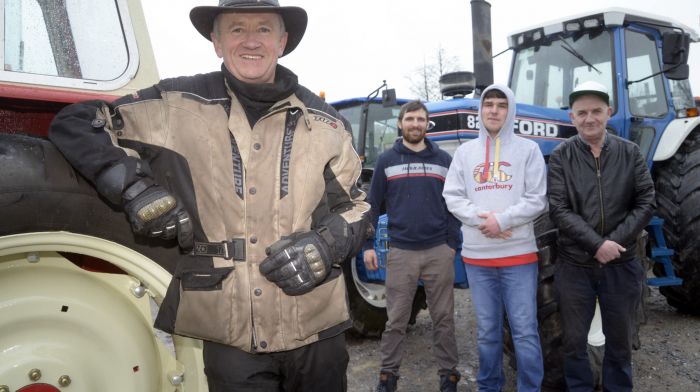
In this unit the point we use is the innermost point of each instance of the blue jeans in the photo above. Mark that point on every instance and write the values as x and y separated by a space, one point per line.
513 289
618 288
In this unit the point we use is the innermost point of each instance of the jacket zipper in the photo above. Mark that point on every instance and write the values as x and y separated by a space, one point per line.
600 200
254 338
600 196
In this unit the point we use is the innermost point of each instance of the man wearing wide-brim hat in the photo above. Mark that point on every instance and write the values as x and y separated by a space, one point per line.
264 205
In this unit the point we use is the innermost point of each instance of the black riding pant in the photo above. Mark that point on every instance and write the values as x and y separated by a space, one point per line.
317 367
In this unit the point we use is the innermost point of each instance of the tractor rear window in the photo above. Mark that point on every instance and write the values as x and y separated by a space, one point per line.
74 42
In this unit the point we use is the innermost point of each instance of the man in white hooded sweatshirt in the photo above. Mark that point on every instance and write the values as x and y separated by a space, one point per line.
496 187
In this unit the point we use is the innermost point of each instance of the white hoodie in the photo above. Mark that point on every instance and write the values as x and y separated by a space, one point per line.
516 193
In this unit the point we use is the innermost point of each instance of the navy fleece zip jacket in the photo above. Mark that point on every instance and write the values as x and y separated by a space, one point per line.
408 186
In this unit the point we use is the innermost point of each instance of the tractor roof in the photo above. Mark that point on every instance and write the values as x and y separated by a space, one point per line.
606 17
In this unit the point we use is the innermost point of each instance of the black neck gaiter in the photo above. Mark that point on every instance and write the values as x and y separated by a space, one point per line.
257 99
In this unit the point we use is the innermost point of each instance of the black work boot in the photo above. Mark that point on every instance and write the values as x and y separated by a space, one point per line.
448 382
387 382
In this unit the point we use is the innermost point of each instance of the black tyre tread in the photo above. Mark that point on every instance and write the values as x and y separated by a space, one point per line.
547 308
548 305
40 191
677 183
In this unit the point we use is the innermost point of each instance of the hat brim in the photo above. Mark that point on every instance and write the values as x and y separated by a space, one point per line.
295 20
578 94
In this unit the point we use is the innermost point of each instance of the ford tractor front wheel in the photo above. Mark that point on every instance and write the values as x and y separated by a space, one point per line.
678 196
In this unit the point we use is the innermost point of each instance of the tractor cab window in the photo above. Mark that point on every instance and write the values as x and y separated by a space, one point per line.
66 42
545 75
647 96
382 130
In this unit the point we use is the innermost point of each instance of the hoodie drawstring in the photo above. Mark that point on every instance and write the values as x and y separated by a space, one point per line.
485 172
497 157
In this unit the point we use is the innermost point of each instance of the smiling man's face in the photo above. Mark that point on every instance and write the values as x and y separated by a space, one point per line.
250 44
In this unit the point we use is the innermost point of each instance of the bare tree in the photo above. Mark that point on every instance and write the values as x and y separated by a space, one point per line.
425 80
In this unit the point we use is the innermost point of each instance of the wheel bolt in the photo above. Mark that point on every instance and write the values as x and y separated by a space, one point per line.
138 291
176 378
35 374
64 380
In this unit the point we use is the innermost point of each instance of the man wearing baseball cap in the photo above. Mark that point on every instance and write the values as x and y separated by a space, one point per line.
255 176
601 197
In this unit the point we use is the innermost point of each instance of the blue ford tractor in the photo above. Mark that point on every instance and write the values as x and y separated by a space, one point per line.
642 59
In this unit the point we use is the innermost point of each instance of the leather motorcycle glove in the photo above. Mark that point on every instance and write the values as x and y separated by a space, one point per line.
298 263
154 212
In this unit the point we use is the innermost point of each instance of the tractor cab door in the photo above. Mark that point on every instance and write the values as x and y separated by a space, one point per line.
645 97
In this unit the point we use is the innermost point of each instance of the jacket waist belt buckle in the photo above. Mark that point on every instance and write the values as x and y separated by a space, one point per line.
233 249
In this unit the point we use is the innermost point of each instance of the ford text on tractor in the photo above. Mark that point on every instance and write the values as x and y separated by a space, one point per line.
77 289
642 60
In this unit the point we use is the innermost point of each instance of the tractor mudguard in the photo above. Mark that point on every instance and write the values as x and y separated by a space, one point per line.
674 135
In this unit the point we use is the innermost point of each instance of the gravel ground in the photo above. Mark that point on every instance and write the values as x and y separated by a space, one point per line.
668 361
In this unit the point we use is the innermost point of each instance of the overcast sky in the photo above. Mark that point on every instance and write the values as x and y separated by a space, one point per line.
350 46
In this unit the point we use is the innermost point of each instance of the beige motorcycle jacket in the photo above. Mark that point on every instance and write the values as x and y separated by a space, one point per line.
247 186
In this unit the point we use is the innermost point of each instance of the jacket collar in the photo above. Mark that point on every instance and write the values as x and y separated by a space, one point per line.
578 140
275 97
429 150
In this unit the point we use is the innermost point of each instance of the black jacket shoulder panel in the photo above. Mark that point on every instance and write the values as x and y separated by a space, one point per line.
204 88
319 106
145 94
209 86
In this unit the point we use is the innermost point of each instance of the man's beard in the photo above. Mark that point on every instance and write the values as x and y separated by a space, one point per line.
411 139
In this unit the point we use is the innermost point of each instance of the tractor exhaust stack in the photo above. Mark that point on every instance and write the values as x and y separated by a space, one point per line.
481 35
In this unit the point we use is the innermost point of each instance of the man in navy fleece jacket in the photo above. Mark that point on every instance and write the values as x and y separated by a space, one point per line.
408 182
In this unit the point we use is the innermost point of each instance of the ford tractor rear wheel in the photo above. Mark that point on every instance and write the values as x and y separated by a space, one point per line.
678 197
547 308
367 303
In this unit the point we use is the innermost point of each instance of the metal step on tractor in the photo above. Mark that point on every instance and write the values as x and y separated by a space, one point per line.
642 60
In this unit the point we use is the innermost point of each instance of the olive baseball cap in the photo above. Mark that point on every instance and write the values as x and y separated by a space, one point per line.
589 88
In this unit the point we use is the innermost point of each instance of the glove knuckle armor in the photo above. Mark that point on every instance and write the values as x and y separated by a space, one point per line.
156 208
